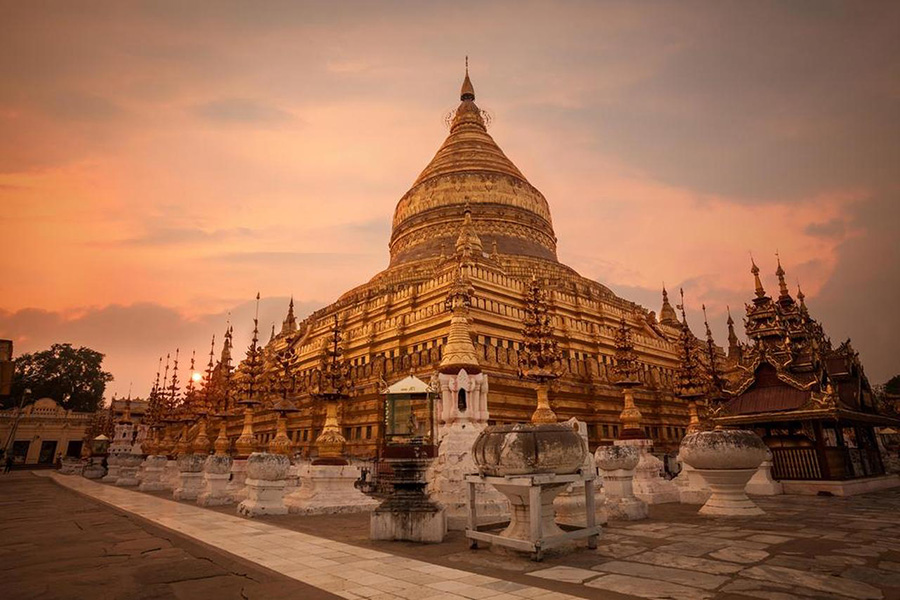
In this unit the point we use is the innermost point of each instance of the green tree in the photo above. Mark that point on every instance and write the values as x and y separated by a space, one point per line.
892 387
74 377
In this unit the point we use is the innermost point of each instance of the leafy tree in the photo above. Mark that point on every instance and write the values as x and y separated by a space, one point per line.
893 386
74 377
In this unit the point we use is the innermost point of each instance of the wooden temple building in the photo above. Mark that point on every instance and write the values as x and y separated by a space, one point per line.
810 402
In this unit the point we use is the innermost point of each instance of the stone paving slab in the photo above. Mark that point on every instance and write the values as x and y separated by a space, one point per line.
803 547
310 559
57 544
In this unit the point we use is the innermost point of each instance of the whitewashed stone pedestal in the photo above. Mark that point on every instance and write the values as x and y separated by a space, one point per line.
266 478
170 475
459 426
446 477
692 488
292 484
216 474
762 483
328 489
71 466
648 484
570 505
154 467
93 469
617 464
128 468
190 476
728 498
726 459
113 466
237 485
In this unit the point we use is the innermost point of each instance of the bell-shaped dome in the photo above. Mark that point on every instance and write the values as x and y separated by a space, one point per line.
470 170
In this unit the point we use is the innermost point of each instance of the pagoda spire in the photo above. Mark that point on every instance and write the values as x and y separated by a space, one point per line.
713 358
211 364
540 357
468 243
155 389
173 386
225 358
760 291
272 335
190 384
254 365
801 297
782 286
734 346
667 315
626 367
467 92
689 383
290 321
164 389
459 352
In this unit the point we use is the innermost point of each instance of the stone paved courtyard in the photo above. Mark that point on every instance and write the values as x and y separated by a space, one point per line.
804 547
57 544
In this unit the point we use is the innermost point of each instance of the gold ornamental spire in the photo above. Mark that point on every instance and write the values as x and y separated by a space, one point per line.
467 92
468 243
190 383
782 286
626 367
540 357
801 297
290 321
716 389
225 359
760 291
459 352
173 386
689 383
667 314
734 346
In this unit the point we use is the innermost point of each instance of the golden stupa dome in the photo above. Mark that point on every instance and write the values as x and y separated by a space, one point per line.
470 170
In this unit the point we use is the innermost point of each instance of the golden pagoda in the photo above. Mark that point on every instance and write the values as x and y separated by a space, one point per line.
471 205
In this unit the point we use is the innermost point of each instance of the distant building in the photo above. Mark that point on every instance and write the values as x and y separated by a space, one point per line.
42 430
7 367
137 409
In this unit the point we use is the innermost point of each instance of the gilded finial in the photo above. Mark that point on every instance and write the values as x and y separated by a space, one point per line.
760 291
681 306
779 272
667 314
468 90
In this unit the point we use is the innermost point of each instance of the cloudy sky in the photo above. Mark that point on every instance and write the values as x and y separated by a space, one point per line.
160 162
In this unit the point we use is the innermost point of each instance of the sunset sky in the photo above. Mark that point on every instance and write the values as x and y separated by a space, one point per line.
161 162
